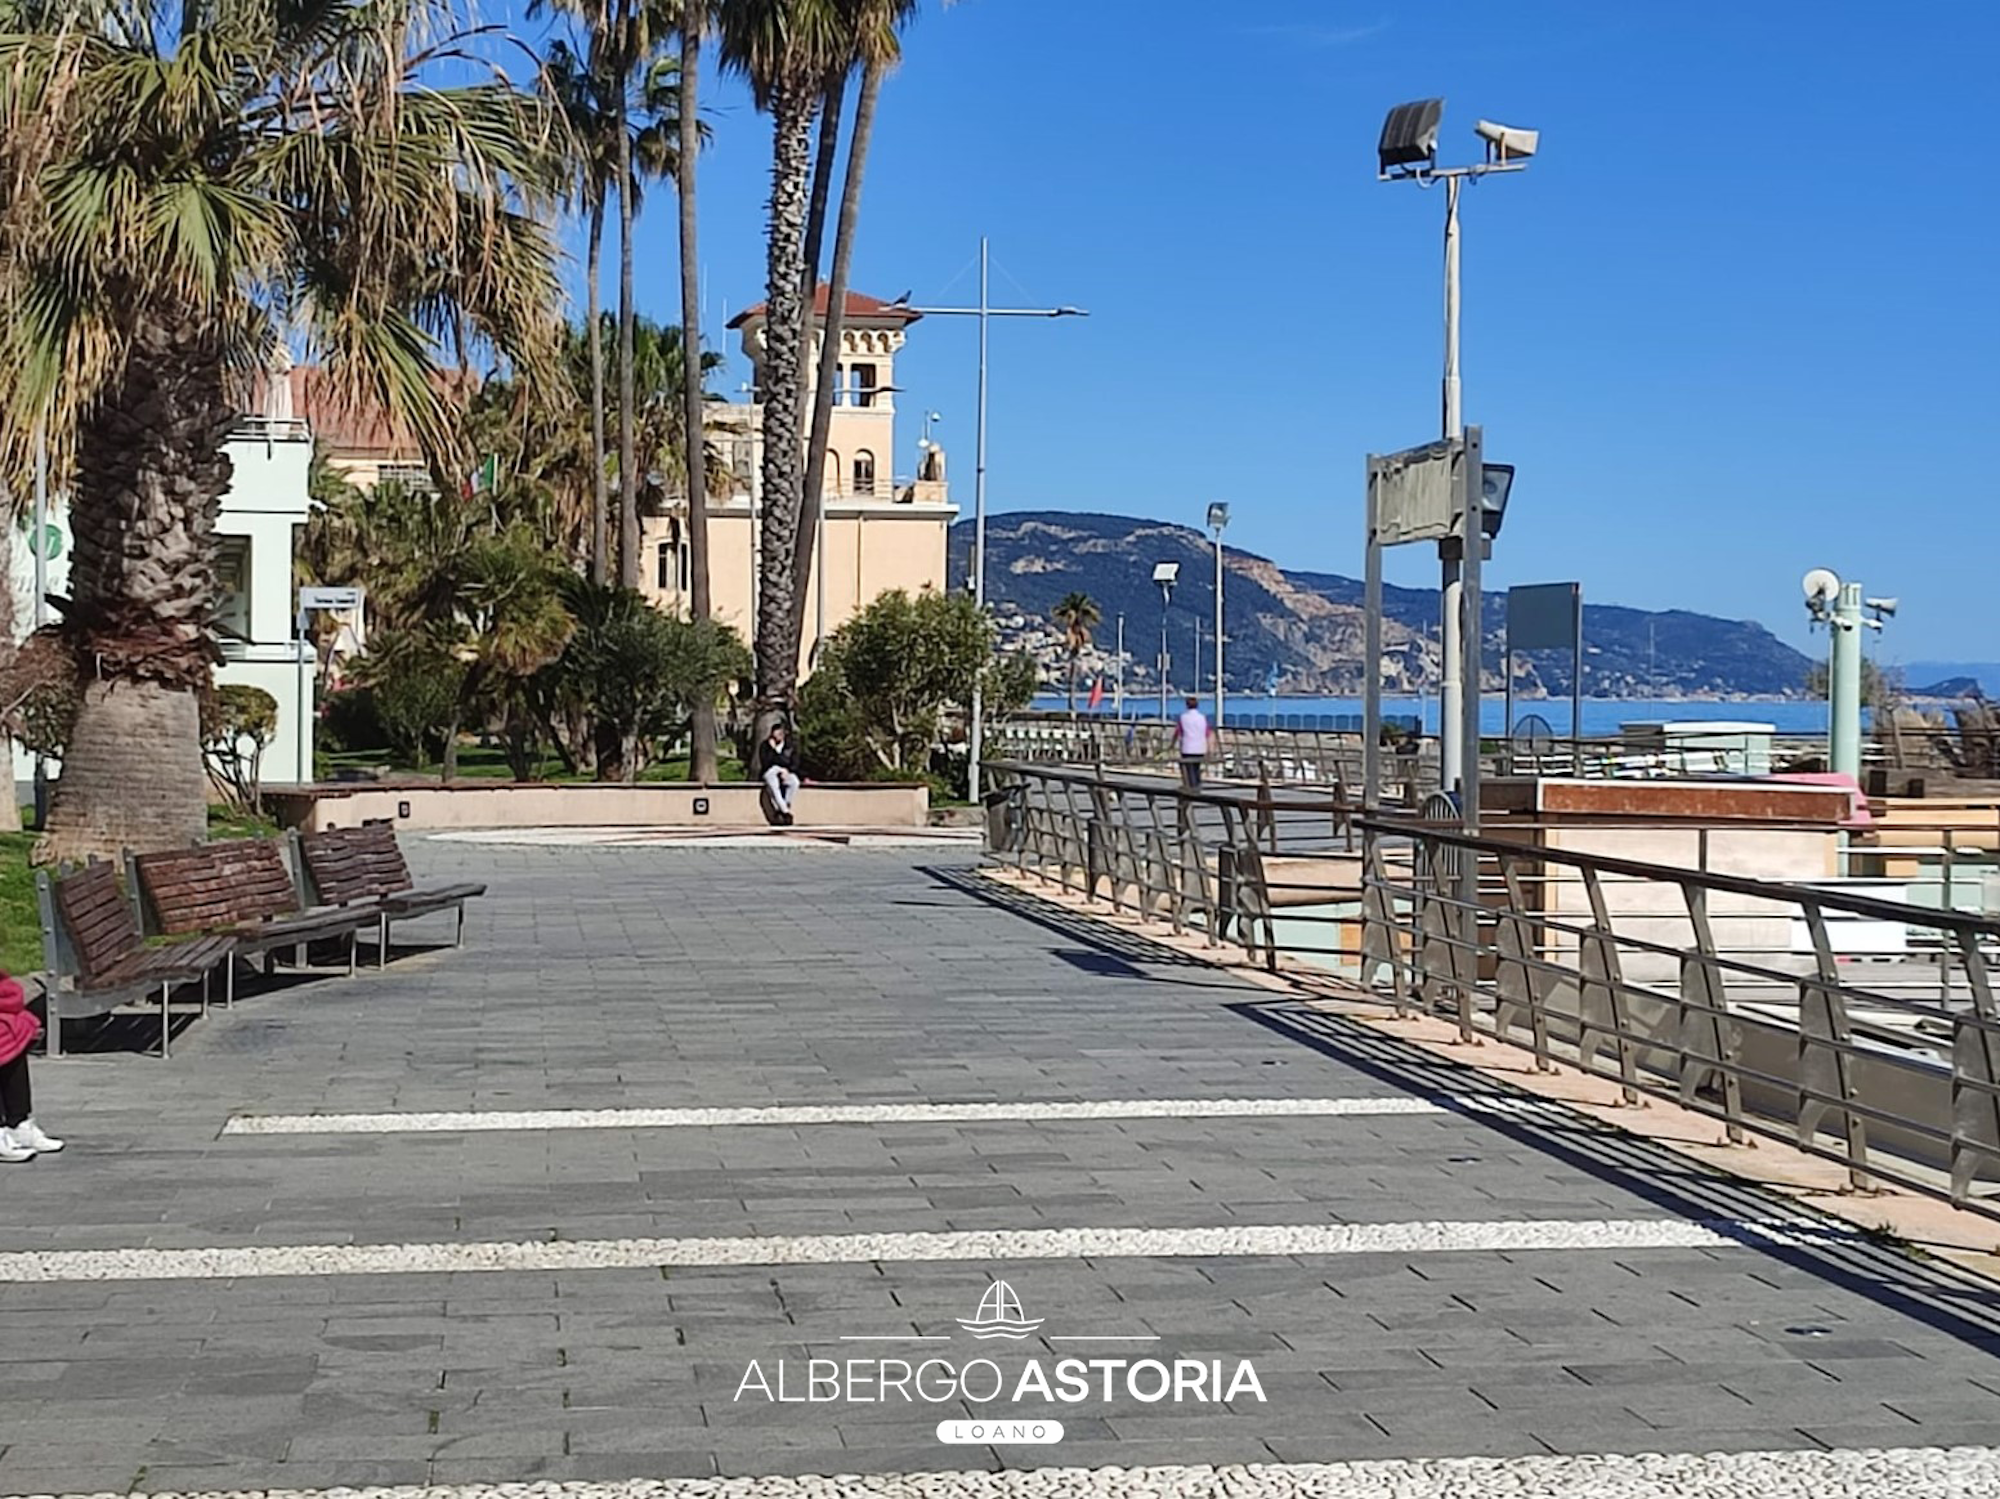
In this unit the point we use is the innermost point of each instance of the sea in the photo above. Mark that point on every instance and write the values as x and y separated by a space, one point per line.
1789 717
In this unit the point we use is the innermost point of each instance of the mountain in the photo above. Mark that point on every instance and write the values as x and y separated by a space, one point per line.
1307 627
1949 678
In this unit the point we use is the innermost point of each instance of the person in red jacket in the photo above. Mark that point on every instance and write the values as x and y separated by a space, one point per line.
21 1139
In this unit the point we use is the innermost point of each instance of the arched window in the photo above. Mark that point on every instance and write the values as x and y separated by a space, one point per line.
829 482
864 472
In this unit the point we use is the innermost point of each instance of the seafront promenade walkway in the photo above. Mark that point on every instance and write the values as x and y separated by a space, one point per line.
683 1130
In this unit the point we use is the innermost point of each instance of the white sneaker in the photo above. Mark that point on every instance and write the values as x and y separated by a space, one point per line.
28 1135
12 1152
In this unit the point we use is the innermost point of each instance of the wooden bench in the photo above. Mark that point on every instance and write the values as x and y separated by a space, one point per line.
242 887
363 867
91 939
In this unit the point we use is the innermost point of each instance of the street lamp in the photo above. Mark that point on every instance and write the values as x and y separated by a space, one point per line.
984 311
1218 517
1407 152
1165 574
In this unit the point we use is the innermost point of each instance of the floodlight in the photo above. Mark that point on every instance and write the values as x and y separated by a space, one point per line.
1496 482
1218 516
1167 573
1507 142
1883 606
1410 135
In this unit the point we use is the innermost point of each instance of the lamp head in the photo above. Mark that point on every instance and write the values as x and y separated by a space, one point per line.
1218 515
1409 138
1496 482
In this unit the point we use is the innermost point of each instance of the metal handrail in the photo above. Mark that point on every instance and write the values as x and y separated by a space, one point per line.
1686 997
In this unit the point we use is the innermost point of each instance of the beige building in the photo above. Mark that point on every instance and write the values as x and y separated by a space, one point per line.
882 530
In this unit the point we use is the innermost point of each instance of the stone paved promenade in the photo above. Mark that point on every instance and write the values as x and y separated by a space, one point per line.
766 1106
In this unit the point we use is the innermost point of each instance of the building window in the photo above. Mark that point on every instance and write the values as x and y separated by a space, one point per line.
864 472
671 559
232 606
840 385
829 482
864 385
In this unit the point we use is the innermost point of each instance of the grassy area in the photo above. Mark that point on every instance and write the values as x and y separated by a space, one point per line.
223 822
20 922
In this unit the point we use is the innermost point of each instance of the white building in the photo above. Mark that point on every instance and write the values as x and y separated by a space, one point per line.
257 534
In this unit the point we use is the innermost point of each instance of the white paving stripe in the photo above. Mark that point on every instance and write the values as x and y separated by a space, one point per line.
264 1260
1863 1473
469 1121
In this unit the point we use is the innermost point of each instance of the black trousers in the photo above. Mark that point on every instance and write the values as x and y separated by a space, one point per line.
16 1103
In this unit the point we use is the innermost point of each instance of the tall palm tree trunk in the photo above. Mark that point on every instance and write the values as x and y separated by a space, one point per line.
836 307
10 814
600 522
150 474
628 444
702 768
777 607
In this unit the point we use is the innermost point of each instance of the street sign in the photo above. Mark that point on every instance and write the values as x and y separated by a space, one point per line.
1418 494
329 598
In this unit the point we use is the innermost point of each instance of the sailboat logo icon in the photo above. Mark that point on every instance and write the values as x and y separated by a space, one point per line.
999 1315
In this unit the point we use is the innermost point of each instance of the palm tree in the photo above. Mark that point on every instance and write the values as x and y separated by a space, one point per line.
1078 615
873 30
579 89
350 191
785 49
695 18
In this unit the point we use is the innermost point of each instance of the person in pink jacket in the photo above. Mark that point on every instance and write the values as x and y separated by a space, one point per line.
21 1139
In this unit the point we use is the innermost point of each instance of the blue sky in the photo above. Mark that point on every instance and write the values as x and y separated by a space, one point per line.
1736 321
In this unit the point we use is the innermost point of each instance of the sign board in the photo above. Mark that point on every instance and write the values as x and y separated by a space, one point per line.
329 598
1543 616
1417 493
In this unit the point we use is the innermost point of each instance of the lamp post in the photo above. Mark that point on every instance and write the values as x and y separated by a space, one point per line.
1407 151
984 312
1218 517
1165 574
1118 692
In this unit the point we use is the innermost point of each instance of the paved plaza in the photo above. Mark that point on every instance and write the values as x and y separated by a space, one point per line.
696 1162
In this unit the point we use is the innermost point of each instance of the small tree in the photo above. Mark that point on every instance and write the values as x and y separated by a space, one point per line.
891 670
1078 615
237 727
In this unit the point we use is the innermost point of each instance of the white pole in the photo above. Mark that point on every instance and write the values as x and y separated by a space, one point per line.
1451 598
979 535
1118 701
1844 683
1218 627
41 609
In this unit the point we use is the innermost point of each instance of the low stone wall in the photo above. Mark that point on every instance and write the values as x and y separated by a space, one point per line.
659 804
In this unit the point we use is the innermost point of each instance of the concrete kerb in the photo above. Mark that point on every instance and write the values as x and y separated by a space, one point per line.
1925 1223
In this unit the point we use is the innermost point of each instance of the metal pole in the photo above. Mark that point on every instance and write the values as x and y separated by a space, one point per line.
1118 700
1218 627
1844 683
1371 674
1467 728
979 533
1194 680
1164 605
1576 688
1451 691
41 609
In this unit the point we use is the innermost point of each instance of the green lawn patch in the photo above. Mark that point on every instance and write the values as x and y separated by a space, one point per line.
20 919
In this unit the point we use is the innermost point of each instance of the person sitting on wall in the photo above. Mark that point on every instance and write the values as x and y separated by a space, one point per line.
21 1139
778 768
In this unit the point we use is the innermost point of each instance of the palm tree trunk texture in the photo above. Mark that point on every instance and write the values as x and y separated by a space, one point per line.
601 538
702 768
777 608
10 814
150 473
833 106
628 442
600 523
836 307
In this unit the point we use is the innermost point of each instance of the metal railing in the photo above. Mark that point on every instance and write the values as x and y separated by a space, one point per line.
1766 1005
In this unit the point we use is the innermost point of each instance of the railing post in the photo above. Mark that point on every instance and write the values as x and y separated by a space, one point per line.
1975 1074
1709 1041
1519 979
1602 978
1826 1071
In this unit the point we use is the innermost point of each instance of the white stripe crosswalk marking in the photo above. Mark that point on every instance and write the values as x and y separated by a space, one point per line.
1313 1239
1843 1473
475 1121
